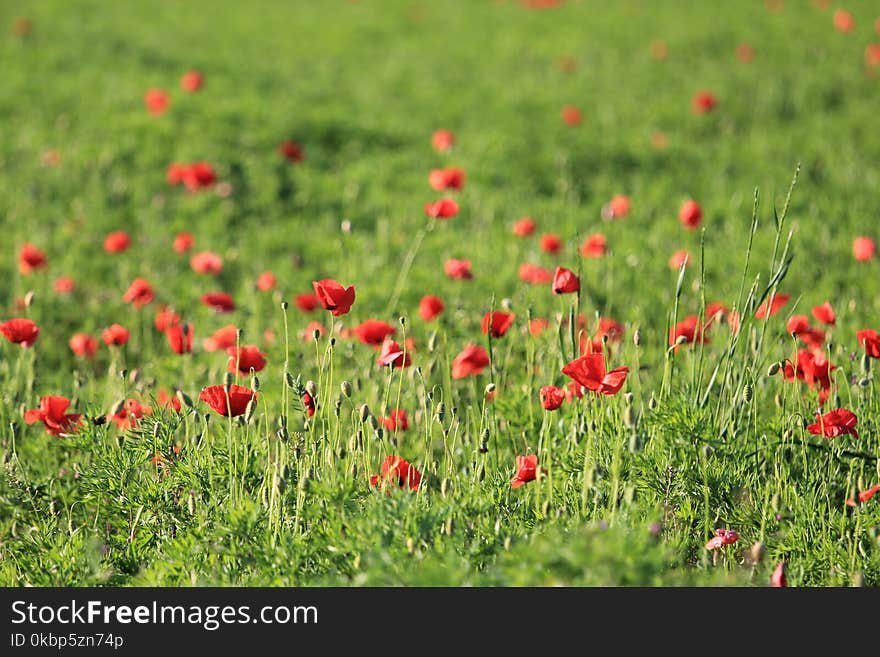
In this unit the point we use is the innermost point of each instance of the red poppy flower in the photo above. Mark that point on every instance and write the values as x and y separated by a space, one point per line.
864 248
872 54
778 580
333 296
168 401
570 115
744 52
129 414
397 473
864 495
448 178
309 332
825 314
810 336
266 281
115 335
442 140
174 173
64 285
551 243
139 293
538 325
430 307
595 246
83 344
472 360
616 208
445 208
180 337
499 321
30 258
524 227
565 281
117 242
183 242
813 369
843 21
291 151
373 332
396 421
221 302
192 81
458 269
306 302
20 331
839 422
392 354
591 346
309 403
526 470
688 328
722 537
246 357
165 318
609 327
534 274
690 215
222 339
206 262
52 413
703 101
870 340
589 371
236 403
779 300
199 175
552 397
157 101
679 258
574 391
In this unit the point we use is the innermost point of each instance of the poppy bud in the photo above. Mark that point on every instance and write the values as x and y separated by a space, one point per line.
157 427
773 369
345 386
228 379
374 422
866 364
316 334
29 299
332 342
507 304
284 306
184 399
484 447
441 412
123 373
380 432
432 342
628 397
312 388
865 382
255 383
629 419
117 407
402 320
365 412
454 411
652 403
748 393
490 388
680 340
250 410
337 406
778 400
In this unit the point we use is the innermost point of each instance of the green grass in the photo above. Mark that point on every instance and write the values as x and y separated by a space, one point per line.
635 484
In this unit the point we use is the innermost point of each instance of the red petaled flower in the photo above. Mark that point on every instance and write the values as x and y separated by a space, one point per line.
526 470
291 151
689 329
589 371
498 322
266 281
397 473
192 81
183 242
180 337
64 285
199 175
570 115
813 369
472 360
552 397
306 302
333 296
448 178
245 358
396 421
810 336
115 335
703 101
442 140
393 355
117 242
30 258
52 413
722 537
870 340
565 281
168 401
83 344
165 318
864 495
139 293
373 332
157 101
221 302
430 307
617 208
206 262
778 301
778 580
534 274
458 269
679 258
864 248
524 227
20 330
595 246
222 339
445 208
839 422
690 215
843 21
128 415
538 325
309 332
551 243
825 314
609 327
235 403
309 403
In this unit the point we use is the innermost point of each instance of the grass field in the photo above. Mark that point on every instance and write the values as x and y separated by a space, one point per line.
628 486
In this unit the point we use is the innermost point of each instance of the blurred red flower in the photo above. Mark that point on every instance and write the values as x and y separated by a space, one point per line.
458 269
870 341
430 307
221 302
83 344
778 580
689 329
21 331
690 214
778 301
168 401
64 285
373 332
524 227
617 208
448 178
117 242
392 354
570 115
552 397
703 101
30 258
442 140
180 337
397 420
129 413
115 335
245 358
864 495
291 151
864 248
594 246
222 339
333 296
526 470
722 537
52 413
825 314
165 318
139 293
810 336
397 473
498 322
445 208
157 101
192 81
206 262
183 242
266 281
534 274
472 360
589 371
679 258
565 281
306 302
551 243
843 21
